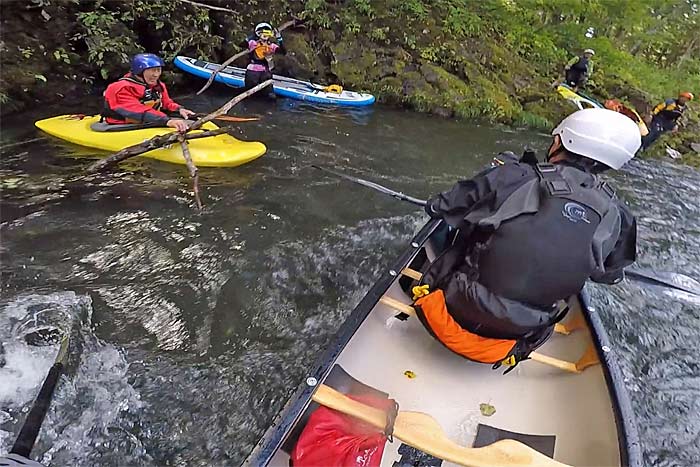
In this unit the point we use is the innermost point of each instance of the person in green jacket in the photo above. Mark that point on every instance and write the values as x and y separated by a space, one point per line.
579 69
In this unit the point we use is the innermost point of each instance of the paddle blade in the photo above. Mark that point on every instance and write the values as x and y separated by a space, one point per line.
668 279
423 432
228 118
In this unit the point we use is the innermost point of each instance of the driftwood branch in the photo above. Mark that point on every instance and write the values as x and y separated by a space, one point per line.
206 134
210 7
170 138
194 173
237 56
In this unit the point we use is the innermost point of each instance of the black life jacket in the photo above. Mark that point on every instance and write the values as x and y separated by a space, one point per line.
581 66
672 114
553 231
521 251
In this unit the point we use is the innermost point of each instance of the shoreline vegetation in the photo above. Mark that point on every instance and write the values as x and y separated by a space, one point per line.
493 60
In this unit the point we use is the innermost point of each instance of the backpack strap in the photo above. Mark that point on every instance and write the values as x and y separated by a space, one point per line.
552 180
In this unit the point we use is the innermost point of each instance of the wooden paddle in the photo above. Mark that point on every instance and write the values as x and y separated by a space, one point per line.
236 57
421 431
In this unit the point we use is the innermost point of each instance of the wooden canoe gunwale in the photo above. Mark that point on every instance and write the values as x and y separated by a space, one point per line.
293 410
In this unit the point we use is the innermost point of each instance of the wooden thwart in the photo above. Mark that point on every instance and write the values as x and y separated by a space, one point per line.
422 431
589 358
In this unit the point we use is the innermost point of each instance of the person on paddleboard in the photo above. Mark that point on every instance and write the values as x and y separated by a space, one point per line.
525 235
665 117
141 97
579 69
262 46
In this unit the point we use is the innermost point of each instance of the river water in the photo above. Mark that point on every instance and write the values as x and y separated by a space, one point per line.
194 327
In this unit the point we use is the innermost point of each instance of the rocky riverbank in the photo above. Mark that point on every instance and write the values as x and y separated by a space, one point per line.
493 60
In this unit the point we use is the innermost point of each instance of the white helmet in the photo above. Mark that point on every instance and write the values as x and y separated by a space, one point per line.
603 135
589 51
260 27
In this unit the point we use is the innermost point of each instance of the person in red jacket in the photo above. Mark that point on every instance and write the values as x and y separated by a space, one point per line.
141 97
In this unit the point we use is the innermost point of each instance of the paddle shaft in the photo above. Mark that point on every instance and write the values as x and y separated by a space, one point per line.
32 424
375 186
229 118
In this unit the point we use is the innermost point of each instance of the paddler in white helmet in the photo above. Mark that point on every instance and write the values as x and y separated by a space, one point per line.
526 235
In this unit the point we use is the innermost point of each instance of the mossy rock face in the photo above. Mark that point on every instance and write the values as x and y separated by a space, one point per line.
354 64
302 60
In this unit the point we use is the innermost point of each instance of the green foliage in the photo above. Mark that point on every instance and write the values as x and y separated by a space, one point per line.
316 14
461 23
364 7
27 52
107 49
379 34
413 9
60 55
108 31
531 120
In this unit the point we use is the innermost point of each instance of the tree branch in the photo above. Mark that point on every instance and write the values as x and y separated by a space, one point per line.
210 7
194 173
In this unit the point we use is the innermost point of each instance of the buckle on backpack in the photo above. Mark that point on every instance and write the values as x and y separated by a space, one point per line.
607 189
558 187
554 182
545 167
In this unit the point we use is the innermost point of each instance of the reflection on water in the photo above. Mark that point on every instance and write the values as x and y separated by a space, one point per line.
201 324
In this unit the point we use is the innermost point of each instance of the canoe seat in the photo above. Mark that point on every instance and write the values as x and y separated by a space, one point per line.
486 435
342 382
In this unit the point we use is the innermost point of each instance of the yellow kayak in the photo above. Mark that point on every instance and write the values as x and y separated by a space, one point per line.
216 151
582 102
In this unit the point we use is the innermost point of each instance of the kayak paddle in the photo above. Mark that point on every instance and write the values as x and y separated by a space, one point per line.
229 118
32 424
374 186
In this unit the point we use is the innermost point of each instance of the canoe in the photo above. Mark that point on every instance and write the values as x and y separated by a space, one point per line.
582 418
282 85
216 151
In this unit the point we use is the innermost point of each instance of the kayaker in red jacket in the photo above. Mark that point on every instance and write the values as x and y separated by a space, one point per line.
140 96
